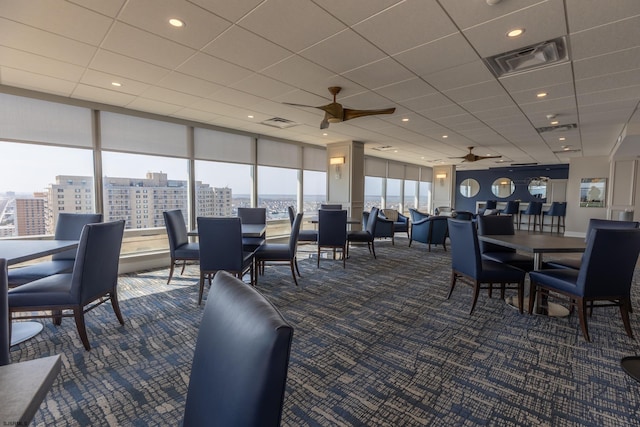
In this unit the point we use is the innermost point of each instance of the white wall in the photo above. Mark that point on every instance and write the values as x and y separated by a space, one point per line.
577 218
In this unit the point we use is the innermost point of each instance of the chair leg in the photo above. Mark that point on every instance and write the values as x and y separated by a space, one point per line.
184 264
373 249
318 256
476 292
57 317
78 314
201 291
173 263
295 261
344 257
293 272
521 296
116 305
625 305
453 284
582 315
490 290
532 296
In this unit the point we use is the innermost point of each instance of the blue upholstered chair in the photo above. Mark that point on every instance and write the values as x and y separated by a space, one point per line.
5 324
400 222
332 232
501 225
94 277
281 252
513 209
239 370
430 230
467 263
367 235
384 227
253 216
331 206
303 235
463 215
68 227
180 249
222 249
489 205
533 211
605 275
594 223
559 210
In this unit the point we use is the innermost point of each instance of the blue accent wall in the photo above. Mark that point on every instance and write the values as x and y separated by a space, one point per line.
519 175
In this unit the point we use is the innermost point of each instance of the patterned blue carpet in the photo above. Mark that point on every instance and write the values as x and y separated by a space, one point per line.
375 344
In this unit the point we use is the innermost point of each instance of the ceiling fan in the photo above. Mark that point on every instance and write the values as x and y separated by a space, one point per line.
335 113
473 157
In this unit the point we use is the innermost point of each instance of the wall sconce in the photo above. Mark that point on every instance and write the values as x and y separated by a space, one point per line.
441 176
337 162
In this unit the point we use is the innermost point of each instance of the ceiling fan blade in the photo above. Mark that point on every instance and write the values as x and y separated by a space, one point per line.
325 122
301 105
488 157
354 114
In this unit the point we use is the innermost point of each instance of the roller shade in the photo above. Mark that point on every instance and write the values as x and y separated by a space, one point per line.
375 167
279 154
222 146
314 159
121 132
27 119
396 171
426 174
412 173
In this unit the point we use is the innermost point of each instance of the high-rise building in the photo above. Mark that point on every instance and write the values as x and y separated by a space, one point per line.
29 219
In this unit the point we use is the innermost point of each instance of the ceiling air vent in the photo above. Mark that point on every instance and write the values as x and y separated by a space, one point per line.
527 58
557 128
575 150
280 123
384 148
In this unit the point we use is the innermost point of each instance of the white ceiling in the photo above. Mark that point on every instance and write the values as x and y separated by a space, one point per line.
423 57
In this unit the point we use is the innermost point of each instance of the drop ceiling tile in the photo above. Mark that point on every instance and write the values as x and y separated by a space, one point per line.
109 8
601 40
213 69
153 106
542 21
98 94
33 40
237 98
378 74
442 54
489 103
293 24
34 81
153 16
614 62
425 103
383 29
301 73
104 80
468 14
405 90
629 92
168 96
132 42
460 76
608 82
473 92
499 114
63 19
353 15
263 86
229 10
26 61
538 78
188 84
123 66
246 49
585 14
343 52
550 106
553 92
194 115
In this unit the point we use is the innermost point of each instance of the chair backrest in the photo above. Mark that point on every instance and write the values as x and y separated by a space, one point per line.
443 210
372 221
69 227
462 215
220 242
534 208
253 215
495 224
609 224
416 215
465 251
293 236
5 324
609 262
332 227
491 204
390 214
95 270
239 371
292 214
439 229
512 208
176 229
557 209
333 206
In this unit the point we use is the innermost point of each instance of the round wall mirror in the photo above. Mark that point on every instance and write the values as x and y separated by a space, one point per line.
469 187
538 188
503 187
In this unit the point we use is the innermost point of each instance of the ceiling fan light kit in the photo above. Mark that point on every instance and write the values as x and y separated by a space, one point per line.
470 157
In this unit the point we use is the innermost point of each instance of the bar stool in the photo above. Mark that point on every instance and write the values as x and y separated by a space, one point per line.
513 209
533 210
557 209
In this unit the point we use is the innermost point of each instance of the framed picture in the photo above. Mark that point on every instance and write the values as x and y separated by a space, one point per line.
593 192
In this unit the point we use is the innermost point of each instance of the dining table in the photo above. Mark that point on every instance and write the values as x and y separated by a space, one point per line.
16 251
248 230
538 244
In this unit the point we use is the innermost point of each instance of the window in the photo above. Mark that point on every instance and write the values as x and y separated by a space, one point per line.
277 189
409 196
393 196
424 199
314 191
372 192
221 188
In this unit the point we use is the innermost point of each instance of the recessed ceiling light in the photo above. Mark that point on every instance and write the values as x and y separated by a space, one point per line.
325 134
445 136
515 32
405 120
176 22
541 94
250 116
566 148
555 122
116 84
395 151
562 138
